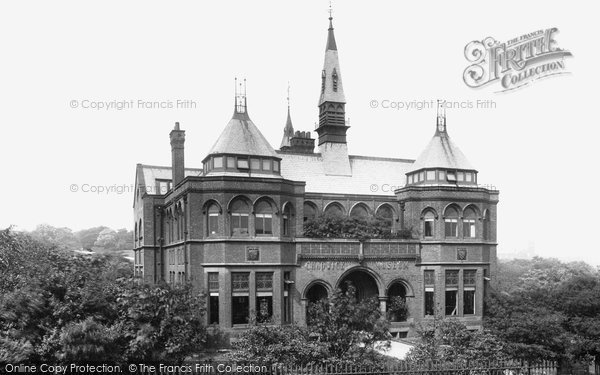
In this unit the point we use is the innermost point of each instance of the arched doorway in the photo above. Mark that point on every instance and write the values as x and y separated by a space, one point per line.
365 284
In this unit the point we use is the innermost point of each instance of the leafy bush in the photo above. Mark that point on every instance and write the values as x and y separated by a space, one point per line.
57 306
397 309
343 331
448 340
352 227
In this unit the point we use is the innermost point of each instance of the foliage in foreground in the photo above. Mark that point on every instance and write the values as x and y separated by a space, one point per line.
342 331
448 340
57 306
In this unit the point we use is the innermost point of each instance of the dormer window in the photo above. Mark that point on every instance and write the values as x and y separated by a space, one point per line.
255 164
218 162
469 176
461 176
430 175
334 77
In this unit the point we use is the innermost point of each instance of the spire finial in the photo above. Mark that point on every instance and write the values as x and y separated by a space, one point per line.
441 116
288 95
330 15
240 104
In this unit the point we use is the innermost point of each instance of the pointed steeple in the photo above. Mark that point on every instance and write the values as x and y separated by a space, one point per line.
288 130
332 101
332 89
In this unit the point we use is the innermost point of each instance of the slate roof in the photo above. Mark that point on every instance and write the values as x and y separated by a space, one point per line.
370 175
441 152
241 136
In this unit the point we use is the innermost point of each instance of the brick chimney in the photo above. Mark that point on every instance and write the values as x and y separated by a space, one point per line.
177 160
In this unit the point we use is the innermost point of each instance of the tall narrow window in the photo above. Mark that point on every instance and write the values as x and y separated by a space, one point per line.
287 308
469 224
212 219
239 217
264 218
428 224
288 213
213 290
240 306
451 222
469 284
429 282
264 297
451 300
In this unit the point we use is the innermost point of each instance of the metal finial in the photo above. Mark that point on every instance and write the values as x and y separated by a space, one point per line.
330 10
288 94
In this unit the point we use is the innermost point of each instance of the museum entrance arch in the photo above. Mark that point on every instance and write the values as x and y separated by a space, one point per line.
363 281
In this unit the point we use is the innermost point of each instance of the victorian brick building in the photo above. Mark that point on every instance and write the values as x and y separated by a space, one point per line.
234 228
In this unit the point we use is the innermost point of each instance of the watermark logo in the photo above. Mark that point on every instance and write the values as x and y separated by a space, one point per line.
514 63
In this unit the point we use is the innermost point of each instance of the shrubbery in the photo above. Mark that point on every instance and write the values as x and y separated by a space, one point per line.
341 331
57 306
352 227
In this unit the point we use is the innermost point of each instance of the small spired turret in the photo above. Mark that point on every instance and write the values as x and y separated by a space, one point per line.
242 149
442 162
298 141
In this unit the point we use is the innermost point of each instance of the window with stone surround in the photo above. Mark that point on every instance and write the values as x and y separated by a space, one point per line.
469 287
240 306
264 297
213 290
451 295
429 283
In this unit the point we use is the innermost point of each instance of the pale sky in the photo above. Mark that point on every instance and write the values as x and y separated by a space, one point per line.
538 146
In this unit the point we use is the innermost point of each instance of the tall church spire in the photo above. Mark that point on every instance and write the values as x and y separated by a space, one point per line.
332 114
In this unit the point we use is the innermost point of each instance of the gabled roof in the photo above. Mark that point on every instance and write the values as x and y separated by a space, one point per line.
241 136
441 152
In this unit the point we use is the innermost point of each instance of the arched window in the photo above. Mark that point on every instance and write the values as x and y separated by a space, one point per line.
359 211
469 227
386 215
212 220
310 212
240 211
140 232
451 222
288 213
429 224
181 221
135 235
334 209
263 216
176 225
396 303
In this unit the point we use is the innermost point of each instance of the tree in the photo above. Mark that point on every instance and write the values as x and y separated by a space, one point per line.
349 328
58 306
62 237
448 340
87 237
107 239
343 331
550 310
